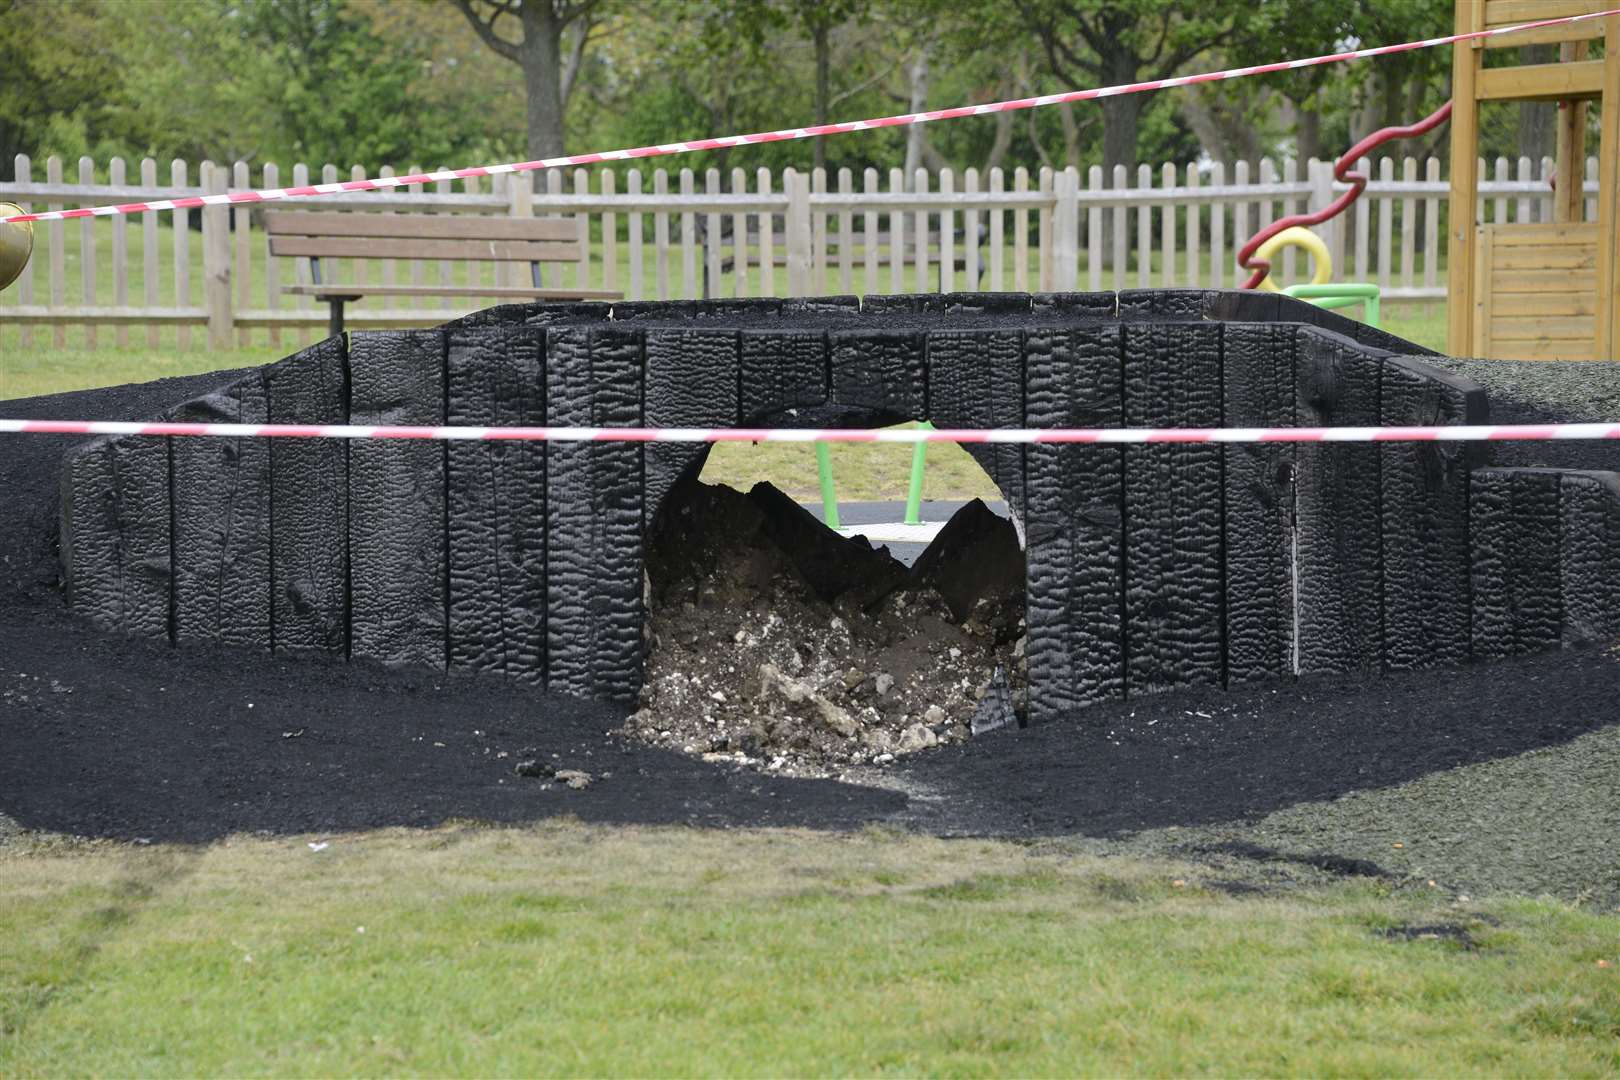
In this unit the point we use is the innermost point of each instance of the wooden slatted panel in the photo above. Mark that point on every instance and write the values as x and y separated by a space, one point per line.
362 269
88 263
947 238
1217 230
522 206
739 237
970 221
711 239
418 226
1240 220
1541 82
446 274
1408 226
25 284
181 254
272 267
241 233
869 235
1508 12
120 253
1431 228
919 238
1118 216
998 232
1094 228
610 234
149 252
418 269
378 247
661 232
1539 291
1194 225
767 239
1290 205
1043 232
1167 231
637 266
1560 235
689 270
1144 229
582 232
492 291
846 255
1362 209
1386 224
818 235
897 234
389 277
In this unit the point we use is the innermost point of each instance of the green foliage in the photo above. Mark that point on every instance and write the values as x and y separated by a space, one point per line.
408 82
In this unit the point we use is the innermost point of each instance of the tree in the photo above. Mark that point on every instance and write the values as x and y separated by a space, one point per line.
1109 42
550 68
52 67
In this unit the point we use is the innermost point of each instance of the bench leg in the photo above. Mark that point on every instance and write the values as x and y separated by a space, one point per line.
334 325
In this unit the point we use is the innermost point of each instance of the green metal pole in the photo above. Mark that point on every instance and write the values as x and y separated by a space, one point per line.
919 461
829 495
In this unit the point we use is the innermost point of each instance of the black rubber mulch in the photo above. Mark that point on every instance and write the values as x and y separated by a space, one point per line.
107 736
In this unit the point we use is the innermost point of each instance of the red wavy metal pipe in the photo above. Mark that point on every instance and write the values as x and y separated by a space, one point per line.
1259 268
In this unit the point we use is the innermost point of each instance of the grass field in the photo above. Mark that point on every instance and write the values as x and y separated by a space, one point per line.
567 949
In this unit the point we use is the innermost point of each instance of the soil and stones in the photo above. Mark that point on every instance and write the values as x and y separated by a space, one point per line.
775 643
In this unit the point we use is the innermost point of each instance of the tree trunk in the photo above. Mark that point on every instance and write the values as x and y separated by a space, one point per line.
1071 135
542 78
1121 118
1001 143
1537 119
917 134
823 76
1307 133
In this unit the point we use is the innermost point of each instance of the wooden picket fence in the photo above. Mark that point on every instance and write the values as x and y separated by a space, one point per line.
737 235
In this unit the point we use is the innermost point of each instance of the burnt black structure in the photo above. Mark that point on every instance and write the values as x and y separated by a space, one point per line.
1149 567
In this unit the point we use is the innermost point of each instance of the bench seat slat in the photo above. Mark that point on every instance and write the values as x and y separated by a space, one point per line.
418 226
451 290
376 247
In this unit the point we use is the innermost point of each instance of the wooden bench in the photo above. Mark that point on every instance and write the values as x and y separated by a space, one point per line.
317 236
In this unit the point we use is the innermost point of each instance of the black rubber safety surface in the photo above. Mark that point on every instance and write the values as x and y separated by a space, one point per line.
111 736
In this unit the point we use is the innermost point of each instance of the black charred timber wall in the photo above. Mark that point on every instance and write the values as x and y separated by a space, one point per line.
1149 567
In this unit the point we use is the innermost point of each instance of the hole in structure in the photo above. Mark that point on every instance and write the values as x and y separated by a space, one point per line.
775 642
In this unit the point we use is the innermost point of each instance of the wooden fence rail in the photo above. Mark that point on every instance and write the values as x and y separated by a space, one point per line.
736 235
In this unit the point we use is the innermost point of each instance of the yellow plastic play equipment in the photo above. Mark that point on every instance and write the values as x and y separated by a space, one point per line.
1300 237
16 244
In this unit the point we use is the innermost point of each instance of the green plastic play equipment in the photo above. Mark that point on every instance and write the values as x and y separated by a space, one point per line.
1343 294
829 490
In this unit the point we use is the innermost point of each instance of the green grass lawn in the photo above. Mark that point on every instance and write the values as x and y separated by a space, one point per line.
566 949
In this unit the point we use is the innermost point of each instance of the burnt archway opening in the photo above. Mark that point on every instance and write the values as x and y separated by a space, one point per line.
775 642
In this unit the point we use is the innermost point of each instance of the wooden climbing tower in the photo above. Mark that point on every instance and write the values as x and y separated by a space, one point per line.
1542 290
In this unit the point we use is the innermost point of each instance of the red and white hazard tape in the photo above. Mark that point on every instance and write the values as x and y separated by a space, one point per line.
1458 433
785 134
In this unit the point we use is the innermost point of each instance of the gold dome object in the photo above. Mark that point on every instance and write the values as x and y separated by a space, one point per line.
16 244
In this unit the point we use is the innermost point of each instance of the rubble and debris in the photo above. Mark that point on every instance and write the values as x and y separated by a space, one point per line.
775 643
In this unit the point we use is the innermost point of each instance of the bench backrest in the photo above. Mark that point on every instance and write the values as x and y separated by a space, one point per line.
421 236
